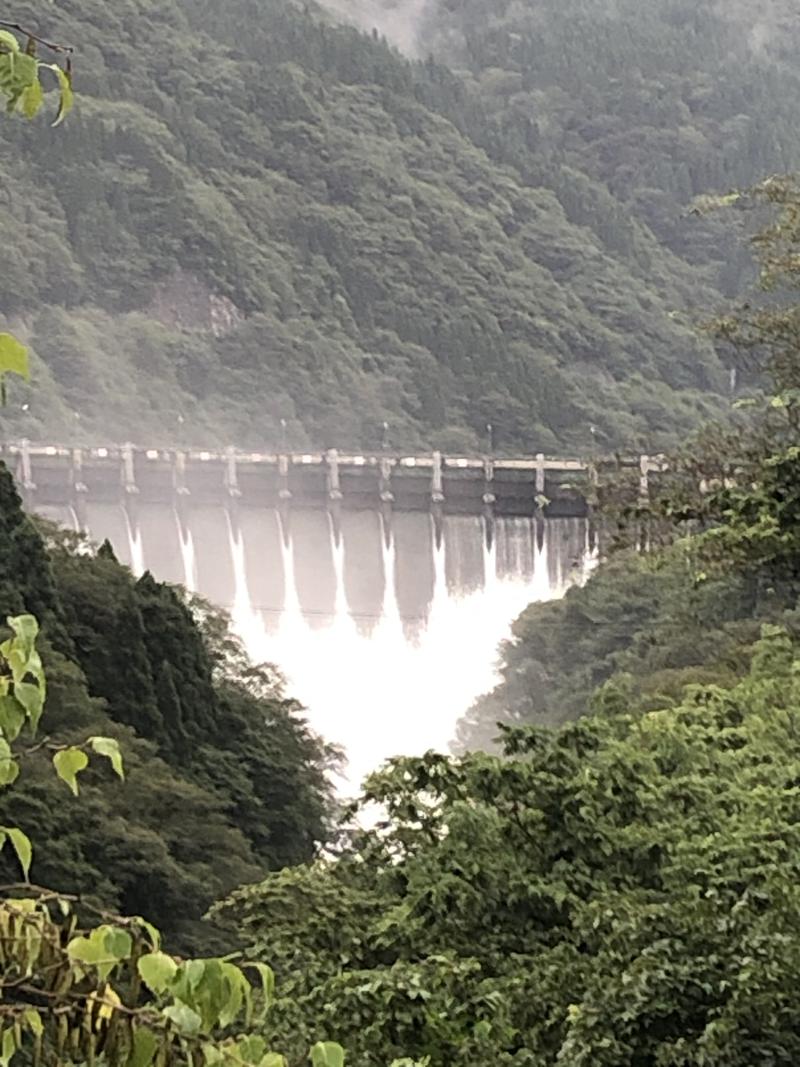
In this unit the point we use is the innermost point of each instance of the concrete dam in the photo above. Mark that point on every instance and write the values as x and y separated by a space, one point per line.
380 586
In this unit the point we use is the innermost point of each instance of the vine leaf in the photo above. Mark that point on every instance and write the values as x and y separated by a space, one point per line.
9 767
32 99
13 356
67 97
185 1018
157 971
108 747
21 844
8 42
145 1046
69 762
327 1054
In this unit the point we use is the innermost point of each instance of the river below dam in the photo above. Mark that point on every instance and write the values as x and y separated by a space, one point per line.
386 636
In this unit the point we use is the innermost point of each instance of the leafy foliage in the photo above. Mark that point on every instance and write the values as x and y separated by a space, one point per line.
642 619
77 998
21 86
20 70
650 103
723 515
13 359
619 892
69 993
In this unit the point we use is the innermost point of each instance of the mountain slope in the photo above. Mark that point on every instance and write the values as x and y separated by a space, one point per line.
657 100
256 216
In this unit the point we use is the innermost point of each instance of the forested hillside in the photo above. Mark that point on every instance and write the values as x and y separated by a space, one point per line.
257 216
224 779
624 109
658 101
644 621
263 217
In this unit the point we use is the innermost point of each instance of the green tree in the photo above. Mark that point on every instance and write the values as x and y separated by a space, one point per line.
226 781
74 993
620 891
277 218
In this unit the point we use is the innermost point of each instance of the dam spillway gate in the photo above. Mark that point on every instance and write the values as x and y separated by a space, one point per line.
322 534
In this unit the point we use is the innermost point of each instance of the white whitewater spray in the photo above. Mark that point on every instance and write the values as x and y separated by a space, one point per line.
374 689
343 621
390 626
135 547
244 618
381 695
188 558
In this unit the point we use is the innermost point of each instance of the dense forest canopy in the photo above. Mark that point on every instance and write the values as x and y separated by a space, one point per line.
262 216
653 102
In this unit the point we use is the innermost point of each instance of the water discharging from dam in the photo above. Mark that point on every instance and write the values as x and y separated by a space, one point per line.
385 636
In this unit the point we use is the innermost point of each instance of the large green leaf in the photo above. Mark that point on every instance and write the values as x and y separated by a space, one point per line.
185 1018
33 1020
31 698
145 1046
8 41
118 943
12 717
238 994
108 747
9 767
327 1054
21 844
25 627
8 1047
32 99
104 948
66 98
157 971
69 762
267 976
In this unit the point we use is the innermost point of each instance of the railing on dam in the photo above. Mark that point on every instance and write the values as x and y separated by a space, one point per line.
52 476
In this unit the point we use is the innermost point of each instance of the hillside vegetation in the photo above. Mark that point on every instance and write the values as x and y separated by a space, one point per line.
618 885
224 779
659 101
259 216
